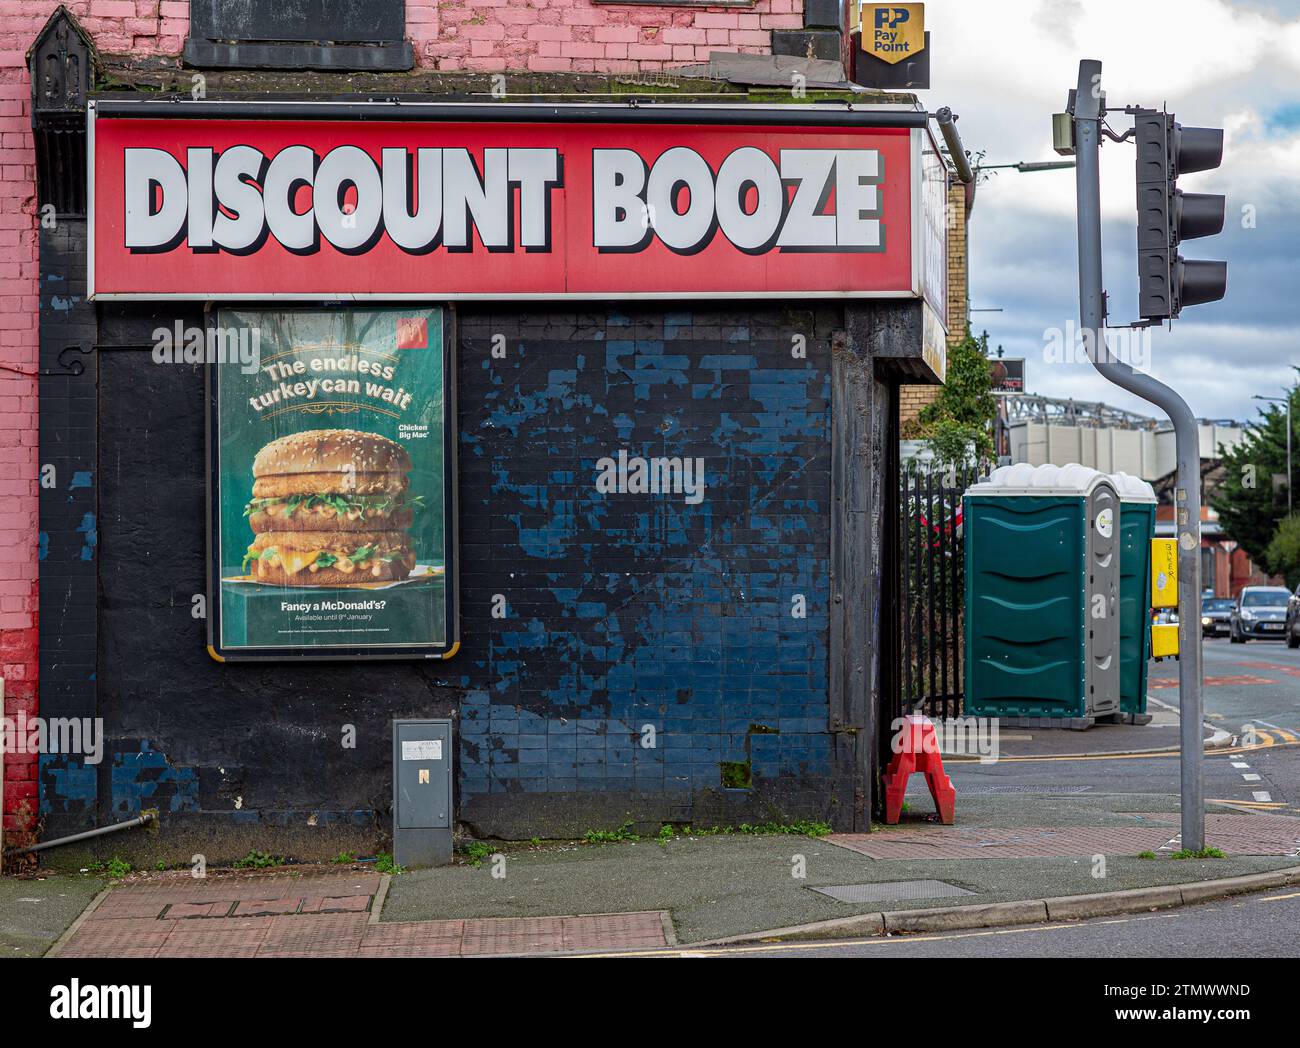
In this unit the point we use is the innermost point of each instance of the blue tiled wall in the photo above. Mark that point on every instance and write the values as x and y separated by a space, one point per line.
631 613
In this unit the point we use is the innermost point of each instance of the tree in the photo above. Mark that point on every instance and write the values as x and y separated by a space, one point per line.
1249 507
965 408
1283 554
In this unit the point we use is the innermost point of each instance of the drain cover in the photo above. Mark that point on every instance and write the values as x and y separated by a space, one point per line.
892 891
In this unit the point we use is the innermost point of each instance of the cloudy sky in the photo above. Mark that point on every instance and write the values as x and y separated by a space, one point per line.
1006 65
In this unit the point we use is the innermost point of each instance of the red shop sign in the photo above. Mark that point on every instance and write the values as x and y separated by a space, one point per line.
277 200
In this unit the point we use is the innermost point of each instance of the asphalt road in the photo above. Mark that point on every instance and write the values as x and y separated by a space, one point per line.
1253 691
1252 684
1261 925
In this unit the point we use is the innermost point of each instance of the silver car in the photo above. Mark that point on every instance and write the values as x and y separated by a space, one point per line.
1259 614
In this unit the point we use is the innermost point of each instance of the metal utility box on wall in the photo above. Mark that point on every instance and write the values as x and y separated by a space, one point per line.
422 798
1042 594
1137 523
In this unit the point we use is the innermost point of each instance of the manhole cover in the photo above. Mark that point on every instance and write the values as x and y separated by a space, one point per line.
892 891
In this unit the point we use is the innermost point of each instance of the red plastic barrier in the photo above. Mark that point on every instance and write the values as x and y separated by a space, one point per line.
918 750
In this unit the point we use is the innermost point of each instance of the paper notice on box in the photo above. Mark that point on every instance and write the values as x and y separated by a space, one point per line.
422 750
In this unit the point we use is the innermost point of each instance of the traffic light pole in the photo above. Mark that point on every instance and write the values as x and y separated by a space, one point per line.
1087 120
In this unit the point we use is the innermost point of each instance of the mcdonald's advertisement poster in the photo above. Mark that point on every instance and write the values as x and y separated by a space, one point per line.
328 462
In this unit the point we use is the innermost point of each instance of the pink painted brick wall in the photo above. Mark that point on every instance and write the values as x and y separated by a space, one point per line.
472 35
116 26
578 36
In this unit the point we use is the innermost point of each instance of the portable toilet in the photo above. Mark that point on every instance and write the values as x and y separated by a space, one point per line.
1042 594
1137 527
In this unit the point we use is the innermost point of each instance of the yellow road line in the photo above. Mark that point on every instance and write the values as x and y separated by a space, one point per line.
1266 740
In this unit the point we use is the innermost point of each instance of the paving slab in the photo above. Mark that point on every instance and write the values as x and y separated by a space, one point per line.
643 895
273 917
34 912
717 887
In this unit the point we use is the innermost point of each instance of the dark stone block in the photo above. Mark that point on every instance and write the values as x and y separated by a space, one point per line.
806 43
823 14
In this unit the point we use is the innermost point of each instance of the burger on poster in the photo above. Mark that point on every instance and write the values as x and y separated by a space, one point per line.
331 507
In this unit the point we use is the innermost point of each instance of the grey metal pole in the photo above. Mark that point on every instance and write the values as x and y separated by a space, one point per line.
1092 314
142 820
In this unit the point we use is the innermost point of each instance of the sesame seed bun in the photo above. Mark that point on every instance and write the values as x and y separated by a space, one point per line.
319 451
341 483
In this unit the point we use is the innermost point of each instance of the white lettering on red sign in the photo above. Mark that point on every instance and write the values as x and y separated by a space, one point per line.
804 200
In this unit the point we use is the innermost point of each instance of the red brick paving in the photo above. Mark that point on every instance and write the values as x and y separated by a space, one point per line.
314 935
1291 671
322 916
345 904
1255 834
1234 834
1230 681
1237 681
258 907
185 910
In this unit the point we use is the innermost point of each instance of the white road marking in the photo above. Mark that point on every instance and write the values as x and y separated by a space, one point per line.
1251 777
1240 764
1263 795
1267 724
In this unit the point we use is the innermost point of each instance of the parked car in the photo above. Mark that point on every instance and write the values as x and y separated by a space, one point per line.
1260 613
1293 620
1216 614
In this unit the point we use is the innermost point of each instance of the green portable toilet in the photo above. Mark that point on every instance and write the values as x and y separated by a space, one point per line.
1137 527
1042 594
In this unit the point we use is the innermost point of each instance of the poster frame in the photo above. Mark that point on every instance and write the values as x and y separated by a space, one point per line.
451 504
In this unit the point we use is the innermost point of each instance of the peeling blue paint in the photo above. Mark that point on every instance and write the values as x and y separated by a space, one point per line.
65 785
631 611
87 528
146 779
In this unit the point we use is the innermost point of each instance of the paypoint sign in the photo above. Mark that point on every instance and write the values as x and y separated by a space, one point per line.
398 204
893 32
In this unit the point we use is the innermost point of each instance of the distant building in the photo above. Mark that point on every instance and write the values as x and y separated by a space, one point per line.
1045 429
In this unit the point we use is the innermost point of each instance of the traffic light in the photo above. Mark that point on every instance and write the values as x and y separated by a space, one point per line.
1167 216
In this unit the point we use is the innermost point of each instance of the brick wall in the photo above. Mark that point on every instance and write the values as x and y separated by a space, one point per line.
584 37
621 612
577 36
913 398
958 265
18 367
472 35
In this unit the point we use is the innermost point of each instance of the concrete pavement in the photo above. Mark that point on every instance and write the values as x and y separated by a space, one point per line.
1037 825
1259 925
35 911
644 895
